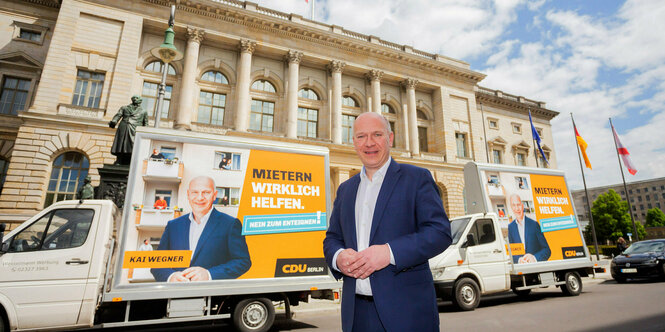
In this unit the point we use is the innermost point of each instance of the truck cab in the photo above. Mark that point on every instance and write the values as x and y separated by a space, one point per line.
477 256
52 266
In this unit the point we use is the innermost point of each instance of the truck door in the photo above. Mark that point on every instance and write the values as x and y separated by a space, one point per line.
45 268
486 256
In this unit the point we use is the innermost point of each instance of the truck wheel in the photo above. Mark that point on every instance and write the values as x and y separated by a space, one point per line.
573 286
466 294
522 293
254 315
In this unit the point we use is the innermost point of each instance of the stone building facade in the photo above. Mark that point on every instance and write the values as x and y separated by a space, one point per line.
644 195
67 66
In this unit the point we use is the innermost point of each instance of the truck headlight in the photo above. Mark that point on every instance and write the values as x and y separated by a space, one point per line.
438 272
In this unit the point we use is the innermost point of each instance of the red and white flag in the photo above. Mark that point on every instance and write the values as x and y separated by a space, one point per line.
623 152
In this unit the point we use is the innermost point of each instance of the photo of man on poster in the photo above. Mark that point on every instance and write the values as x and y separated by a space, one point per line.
526 231
219 250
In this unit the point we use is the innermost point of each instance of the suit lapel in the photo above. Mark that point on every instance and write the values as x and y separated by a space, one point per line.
390 180
350 212
207 230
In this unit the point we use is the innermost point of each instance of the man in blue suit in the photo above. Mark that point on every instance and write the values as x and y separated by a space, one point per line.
527 231
386 223
219 250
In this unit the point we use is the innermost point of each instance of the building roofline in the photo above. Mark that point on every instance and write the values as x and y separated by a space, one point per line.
251 14
621 184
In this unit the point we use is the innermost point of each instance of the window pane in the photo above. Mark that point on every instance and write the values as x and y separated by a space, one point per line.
68 229
67 174
88 89
30 238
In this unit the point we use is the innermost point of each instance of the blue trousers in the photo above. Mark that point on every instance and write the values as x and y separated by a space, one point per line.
365 316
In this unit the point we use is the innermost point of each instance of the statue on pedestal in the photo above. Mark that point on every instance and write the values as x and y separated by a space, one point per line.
128 118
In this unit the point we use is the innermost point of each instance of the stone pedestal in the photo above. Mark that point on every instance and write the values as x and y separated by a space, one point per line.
113 183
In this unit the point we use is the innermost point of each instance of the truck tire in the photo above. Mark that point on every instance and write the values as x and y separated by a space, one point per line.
254 315
573 285
466 294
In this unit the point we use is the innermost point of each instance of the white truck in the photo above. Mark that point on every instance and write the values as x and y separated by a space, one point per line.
488 254
80 264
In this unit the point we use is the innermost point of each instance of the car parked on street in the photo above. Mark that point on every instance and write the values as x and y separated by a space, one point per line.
641 260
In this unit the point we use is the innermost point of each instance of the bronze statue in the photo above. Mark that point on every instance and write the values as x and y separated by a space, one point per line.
130 116
86 191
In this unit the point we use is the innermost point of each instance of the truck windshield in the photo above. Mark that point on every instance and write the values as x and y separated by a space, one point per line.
457 228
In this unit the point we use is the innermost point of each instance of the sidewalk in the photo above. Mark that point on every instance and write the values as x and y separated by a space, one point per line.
315 306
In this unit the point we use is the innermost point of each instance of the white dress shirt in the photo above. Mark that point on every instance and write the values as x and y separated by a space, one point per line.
195 231
520 228
366 197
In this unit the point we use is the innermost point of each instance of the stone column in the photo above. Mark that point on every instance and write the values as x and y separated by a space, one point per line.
186 104
336 68
410 86
242 89
293 59
374 77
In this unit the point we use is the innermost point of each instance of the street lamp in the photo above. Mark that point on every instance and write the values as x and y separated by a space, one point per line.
167 52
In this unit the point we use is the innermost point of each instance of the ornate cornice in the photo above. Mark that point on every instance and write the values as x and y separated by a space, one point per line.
286 25
195 34
247 46
293 56
374 75
336 66
519 105
410 83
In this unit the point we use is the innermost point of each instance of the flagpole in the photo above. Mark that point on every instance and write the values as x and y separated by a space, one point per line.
586 192
533 139
625 188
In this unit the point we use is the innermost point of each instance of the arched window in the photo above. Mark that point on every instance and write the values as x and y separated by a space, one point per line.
4 166
157 67
215 77
262 113
349 101
385 108
308 94
69 170
212 103
421 115
263 85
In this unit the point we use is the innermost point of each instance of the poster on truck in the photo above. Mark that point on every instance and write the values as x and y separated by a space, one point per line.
535 212
210 210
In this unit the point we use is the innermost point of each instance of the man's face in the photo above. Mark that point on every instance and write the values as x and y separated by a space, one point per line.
201 194
517 207
372 141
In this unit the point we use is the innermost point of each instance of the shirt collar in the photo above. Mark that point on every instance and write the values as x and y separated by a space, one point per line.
204 219
381 172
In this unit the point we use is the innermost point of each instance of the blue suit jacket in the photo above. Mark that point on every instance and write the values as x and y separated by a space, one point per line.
221 249
409 216
536 244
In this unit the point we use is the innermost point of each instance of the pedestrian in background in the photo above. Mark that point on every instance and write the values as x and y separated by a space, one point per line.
621 245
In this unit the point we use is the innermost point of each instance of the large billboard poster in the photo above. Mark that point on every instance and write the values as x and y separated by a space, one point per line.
210 211
536 215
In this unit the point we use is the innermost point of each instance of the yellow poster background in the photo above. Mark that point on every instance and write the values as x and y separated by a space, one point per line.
559 238
265 249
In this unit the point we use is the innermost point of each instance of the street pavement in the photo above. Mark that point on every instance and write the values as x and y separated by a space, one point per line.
604 305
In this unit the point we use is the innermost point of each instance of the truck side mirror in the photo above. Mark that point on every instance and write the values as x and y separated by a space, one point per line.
470 240
2 231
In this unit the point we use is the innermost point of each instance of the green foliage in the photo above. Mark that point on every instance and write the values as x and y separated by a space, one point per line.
655 218
605 250
611 218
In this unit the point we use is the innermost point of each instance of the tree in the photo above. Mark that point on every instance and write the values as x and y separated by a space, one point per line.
655 218
611 218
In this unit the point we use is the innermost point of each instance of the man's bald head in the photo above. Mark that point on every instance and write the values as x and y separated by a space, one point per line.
201 195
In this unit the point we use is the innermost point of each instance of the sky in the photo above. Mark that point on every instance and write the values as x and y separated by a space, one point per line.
595 59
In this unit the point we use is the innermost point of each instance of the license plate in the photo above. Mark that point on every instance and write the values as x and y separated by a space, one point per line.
628 270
